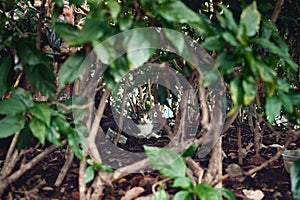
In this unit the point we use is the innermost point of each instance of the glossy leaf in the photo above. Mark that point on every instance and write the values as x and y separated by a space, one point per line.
24 96
43 112
92 30
236 92
213 43
273 107
251 18
190 151
270 46
169 11
286 101
230 38
206 192
25 138
114 8
11 124
228 20
11 107
76 143
179 42
250 91
42 79
160 195
126 22
31 55
183 195
38 129
89 174
67 31
183 182
140 48
6 69
226 193
61 122
295 179
71 69
225 62
266 73
53 135
167 162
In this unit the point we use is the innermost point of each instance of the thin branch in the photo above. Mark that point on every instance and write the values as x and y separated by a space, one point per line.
251 171
277 10
65 168
39 25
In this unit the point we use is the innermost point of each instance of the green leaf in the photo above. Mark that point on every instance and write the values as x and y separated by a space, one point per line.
170 11
42 79
178 40
114 8
167 162
236 92
226 193
76 143
266 73
286 101
89 174
92 30
61 122
295 179
228 21
24 96
71 69
183 182
189 151
273 108
102 167
183 195
29 54
226 61
53 135
43 112
206 192
270 47
25 138
230 38
250 91
11 107
67 31
126 22
6 70
11 124
38 129
160 195
141 47
251 17
214 43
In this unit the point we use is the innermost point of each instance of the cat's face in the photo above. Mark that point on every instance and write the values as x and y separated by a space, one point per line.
145 118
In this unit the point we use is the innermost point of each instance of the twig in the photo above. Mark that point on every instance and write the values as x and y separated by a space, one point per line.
39 25
276 11
24 168
120 122
94 130
251 171
65 168
196 169
82 186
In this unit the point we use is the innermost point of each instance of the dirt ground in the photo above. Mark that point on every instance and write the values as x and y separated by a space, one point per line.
273 180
